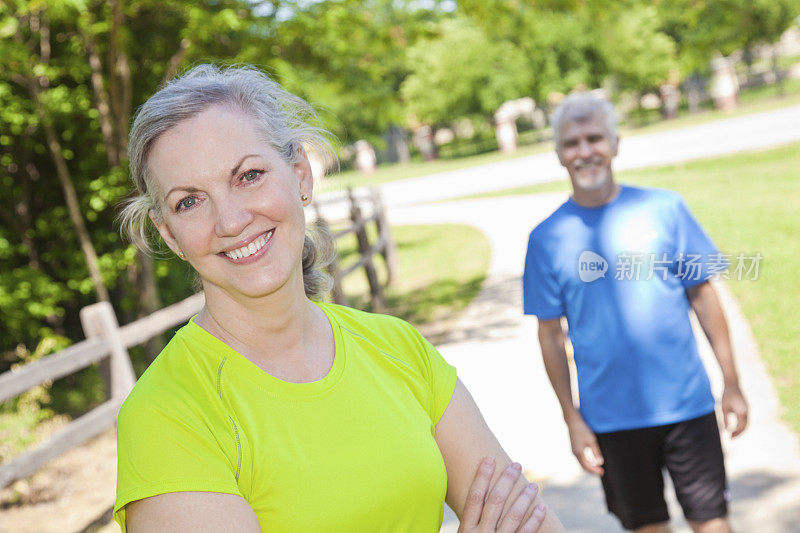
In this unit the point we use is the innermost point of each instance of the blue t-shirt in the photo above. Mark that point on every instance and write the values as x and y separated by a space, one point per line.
618 272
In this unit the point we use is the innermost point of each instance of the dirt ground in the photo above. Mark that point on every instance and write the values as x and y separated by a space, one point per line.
73 493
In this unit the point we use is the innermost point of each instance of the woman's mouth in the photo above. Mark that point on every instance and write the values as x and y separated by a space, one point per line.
251 249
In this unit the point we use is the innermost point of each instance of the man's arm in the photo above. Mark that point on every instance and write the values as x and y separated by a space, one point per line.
705 303
583 441
465 439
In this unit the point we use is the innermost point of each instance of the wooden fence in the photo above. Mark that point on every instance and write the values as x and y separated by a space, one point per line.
356 210
106 339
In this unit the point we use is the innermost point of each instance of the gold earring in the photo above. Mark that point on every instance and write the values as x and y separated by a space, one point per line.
304 198
181 255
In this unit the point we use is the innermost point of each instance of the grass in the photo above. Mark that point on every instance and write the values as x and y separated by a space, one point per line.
748 203
753 100
427 288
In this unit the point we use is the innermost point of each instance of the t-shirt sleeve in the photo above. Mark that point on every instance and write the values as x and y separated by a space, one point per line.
441 377
541 295
696 257
163 449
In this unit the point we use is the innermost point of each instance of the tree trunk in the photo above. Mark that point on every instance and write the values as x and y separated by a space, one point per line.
101 100
74 209
32 84
175 61
149 301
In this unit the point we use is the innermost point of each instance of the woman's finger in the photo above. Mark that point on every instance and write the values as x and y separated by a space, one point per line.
516 513
496 500
477 493
535 521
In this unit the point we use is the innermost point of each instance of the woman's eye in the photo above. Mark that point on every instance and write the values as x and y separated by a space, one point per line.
251 175
186 203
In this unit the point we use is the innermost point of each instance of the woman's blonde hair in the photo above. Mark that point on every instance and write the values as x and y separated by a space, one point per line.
285 120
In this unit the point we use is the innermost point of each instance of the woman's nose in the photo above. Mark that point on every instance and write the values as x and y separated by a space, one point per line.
232 218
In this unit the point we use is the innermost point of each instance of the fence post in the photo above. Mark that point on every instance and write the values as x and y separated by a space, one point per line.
99 320
389 250
375 288
339 296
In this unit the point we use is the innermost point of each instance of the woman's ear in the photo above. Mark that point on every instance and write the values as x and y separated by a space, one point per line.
302 169
165 232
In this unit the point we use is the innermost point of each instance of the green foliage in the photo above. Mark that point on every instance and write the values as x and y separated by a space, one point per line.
81 67
637 54
349 57
460 72
701 29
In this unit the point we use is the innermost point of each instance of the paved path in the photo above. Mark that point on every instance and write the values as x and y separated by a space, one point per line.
497 355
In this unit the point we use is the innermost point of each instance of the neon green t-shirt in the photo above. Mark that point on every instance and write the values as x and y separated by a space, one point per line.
353 451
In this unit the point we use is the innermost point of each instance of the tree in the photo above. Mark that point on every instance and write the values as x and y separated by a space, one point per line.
700 29
349 58
637 54
71 73
460 72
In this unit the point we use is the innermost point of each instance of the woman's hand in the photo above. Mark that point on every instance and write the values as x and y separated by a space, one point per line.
483 511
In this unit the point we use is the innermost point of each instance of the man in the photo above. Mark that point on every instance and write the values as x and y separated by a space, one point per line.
624 265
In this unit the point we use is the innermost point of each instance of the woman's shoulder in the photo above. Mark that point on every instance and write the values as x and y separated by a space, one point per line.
181 377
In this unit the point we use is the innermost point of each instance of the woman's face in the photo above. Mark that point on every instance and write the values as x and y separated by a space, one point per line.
230 203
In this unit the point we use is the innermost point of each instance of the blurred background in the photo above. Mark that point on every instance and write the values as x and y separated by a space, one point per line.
408 87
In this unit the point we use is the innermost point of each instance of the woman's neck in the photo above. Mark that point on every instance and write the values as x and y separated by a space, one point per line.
284 333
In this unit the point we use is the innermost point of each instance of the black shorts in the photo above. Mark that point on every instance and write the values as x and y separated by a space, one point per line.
633 479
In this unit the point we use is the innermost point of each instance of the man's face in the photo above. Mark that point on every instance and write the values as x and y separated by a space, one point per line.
586 151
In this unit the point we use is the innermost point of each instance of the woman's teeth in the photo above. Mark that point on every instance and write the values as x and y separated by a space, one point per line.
250 249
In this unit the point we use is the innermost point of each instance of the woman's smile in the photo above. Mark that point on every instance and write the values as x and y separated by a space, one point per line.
249 252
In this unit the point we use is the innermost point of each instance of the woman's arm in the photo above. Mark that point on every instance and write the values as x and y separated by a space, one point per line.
464 440
191 511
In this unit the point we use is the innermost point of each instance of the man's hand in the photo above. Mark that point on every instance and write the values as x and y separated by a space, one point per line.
733 403
585 447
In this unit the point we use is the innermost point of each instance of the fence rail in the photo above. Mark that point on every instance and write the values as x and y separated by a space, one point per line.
358 209
105 338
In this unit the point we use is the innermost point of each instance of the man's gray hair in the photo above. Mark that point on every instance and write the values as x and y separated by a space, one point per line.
285 120
580 107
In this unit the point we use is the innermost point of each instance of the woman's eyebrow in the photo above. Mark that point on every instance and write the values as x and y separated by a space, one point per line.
239 164
187 188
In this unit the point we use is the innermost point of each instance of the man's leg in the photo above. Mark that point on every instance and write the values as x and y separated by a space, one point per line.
654 528
715 525
693 457
633 482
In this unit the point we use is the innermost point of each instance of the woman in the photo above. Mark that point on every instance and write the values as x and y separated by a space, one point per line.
269 409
